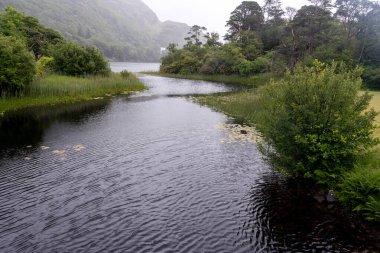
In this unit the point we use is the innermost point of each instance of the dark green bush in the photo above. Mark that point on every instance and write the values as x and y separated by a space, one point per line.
74 60
17 67
371 77
315 121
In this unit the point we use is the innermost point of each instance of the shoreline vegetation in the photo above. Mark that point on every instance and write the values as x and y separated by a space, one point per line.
59 89
39 67
356 188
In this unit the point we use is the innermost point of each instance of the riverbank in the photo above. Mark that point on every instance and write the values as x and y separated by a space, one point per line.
247 82
357 189
56 89
240 105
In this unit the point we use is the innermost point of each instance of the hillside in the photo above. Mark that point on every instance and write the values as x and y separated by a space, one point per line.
125 30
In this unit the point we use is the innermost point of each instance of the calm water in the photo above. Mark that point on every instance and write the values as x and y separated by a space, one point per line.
135 66
153 172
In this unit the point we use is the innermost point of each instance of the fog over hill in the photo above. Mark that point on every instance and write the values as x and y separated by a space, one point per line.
124 30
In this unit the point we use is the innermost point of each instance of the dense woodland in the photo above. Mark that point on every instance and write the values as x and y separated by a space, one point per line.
123 30
269 38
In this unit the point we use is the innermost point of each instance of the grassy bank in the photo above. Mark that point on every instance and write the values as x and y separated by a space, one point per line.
375 103
243 81
55 89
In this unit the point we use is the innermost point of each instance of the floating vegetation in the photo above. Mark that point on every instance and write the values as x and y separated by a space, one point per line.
79 147
238 133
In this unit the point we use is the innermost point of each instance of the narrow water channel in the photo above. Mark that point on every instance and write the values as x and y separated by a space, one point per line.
153 172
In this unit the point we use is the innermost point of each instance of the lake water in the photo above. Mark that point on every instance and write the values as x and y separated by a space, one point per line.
153 172
135 66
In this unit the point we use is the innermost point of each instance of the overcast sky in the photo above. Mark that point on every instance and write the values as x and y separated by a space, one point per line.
212 14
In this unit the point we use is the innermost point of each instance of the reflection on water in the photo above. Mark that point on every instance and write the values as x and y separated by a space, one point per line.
153 172
280 217
27 127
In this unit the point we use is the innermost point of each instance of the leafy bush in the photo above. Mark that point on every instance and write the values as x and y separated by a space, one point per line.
360 190
261 65
74 60
17 67
182 61
371 77
43 65
315 122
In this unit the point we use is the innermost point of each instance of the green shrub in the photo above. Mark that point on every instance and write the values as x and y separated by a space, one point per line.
360 190
74 60
315 122
17 67
43 65
371 77
181 61
260 65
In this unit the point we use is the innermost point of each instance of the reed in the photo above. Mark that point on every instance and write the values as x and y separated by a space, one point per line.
375 104
56 89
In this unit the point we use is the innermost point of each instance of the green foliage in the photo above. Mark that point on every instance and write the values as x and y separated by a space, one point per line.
360 189
315 122
17 67
125 74
371 77
184 61
248 16
54 89
122 30
36 36
43 65
71 59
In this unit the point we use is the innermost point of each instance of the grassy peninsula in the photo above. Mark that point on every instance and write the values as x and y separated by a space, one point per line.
59 89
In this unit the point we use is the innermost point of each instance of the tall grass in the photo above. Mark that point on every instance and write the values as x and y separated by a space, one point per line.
375 104
243 81
56 89
56 85
240 105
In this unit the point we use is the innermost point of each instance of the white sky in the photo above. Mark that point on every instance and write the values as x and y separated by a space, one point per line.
212 14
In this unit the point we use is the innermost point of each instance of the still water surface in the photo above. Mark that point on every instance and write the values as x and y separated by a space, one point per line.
153 172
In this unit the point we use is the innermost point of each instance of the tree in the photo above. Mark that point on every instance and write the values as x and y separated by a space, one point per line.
324 4
316 121
273 11
17 67
195 35
74 60
212 39
311 27
350 12
248 16
29 29
369 37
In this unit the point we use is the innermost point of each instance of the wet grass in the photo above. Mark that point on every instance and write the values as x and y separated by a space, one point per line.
242 81
55 89
375 103
239 105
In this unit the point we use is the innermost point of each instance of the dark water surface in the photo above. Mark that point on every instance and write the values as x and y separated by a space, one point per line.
153 172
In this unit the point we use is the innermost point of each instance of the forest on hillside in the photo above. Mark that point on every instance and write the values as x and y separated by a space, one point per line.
268 38
124 30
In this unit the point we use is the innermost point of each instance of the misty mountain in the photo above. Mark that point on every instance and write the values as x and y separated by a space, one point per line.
125 30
